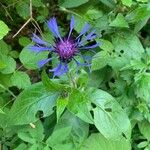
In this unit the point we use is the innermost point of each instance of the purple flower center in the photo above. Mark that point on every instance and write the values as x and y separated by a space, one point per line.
66 50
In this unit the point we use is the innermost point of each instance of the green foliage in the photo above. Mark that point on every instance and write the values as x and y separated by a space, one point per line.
106 108
4 29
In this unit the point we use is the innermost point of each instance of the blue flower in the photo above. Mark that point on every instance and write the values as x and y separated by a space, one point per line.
66 48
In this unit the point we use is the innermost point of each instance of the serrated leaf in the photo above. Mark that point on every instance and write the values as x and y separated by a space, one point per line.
109 118
119 21
20 79
29 102
3 29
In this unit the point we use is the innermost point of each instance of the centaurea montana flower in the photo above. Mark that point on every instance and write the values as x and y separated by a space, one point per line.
66 48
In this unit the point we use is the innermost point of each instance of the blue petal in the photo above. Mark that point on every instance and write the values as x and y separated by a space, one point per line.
71 25
90 47
84 30
40 48
38 40
41 63
60 69
91 35
52 25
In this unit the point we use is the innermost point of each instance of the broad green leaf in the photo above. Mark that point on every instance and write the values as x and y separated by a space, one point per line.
127 2
109 118
4 48
106 45
29 102
70 3
20 79
129 44
97 142
61 105
21 146
100 60
30 59
9 63
74 132
23 10
119 21
5 80
53 85
3 29
24 41
138 14
26 137
145 129
142 83
78 105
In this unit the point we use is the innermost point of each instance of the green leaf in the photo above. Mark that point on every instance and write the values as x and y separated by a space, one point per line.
119 21
109 118
26 137
23 10
74 132
4 29
98 142
145 129
30 59
29 102
78 105
109 3
61 105
1 111
70 3
24 41
20 79
129 43
127 2
142 144
142 83
100 60
37 132
21 146
138 14
4 48
9 64
106 45
53 85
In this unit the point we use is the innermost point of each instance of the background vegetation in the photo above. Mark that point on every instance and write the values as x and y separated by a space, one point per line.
107 109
